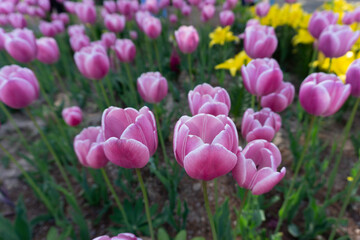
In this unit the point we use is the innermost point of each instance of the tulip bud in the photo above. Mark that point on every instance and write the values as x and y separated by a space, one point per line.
185 10
108 38
207 12
78 42
262 9
21 45
72 116
348 18
320 20
227 18
279 100
114 22
152 87
17 20
125 50
187 39
151 27
86 13
110 6
48 29
173 18
48 50
133 35
121 236
260 41
75 30
353 77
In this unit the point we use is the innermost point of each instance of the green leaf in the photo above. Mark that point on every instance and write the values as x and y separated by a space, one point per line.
162 234
21 224
294 230
7 231
52 234
181 235
198 238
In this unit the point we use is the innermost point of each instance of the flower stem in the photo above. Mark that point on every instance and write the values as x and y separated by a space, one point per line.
330 62
117 200
157 55
242 204
131 83
110 87
345 135
104 94
161 138
146 201
208 210
314 56
297 169
190 69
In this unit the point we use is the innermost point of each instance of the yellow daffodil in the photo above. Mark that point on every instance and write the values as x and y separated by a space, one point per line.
303 36
234 64
221 35
350 179
338 6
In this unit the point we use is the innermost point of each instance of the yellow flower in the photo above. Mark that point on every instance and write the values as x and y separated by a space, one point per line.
234 64
221 35
338 6
303 36
350 179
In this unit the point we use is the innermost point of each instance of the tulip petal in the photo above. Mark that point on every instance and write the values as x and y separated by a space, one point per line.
265 179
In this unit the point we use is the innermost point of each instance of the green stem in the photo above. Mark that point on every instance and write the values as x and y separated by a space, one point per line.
345 136
110 87
345 204
208 210
161 138
51 150
104 94
216 192
131 83
146 201
190 69
117 200
314 56
157 56
242 204
297 169
330 62
253 98
148 50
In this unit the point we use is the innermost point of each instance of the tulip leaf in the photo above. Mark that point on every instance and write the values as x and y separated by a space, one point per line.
21 224
7 231
181 235
162 234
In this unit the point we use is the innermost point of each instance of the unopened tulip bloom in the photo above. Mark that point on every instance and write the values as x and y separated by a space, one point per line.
59 26
178 3
207 12
262 9
48 29
356 13
86 13
185 10
206 145
22 7
21 45
92 62
75 30
151 27
6 7
353 78
256 167
4 20
194 2
260 41
72 115
348 18
70 6
121 236
207 99
173 18
323 94
17 20
336 40
262 76
133 35
78 42
164 3
108 38
64 17
252 22
130 136
19 86
110 6
227 18
44 4
125 50
48 50
320 20
39 12
187 39
279 100
115 22
152 6
89 148
152 87
230 4
260 125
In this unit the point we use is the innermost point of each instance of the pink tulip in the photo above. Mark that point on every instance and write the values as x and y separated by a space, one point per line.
4 20
127 7
207 99
194 2
59 26
89 148
262 9
7 7
320 20
151 27
348 18
164 3
152 87
260 41
108 38
279 100
178 3
336 40
64 17
22 7
206 145
262 76
48 29
21 45
86 13
133 35
92 62
75 30
252 22
323 94
17 20
70 6
110 6
186 10
140 16
207 12
187 39
19 86
290 1
230 4
115 22
130 136
152 6
39 12
44 4
72 116
227 18
31 2
48 50
125 50
122 236
356 13
256 167
353 77
173 18
260 125
2 38
78 42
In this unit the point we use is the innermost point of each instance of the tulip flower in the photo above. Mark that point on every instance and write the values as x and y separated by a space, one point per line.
336 40
59 26
47 29
77 42
64 17
92 62
21 45
152 6
320 20
262 76
89 148
19 86
133 35
4 20
260 41
178 3
109 39
70 6
75 30
348 18
230 4
110 6
262 9
2 38
185 10
227 18
17 20
356 13
173 18
207 12
115 22
44 4
279 100
187 39
130 136
152 87
256 167
140 16
72 115
6 7
151 27
205 145
353 78
207 99
48 50
260 125
86 12
323 94
121 236
125 50
164 3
